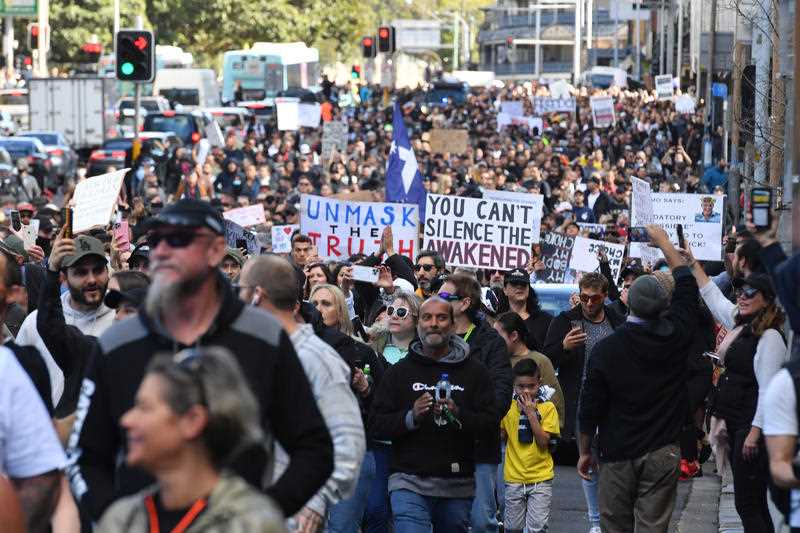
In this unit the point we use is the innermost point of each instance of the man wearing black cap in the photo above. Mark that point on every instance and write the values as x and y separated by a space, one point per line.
191 303
635 399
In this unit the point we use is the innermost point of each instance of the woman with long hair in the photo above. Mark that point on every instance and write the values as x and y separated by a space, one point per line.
192 416
752 351
317 273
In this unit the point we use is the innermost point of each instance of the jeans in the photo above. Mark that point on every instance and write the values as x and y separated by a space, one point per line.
590 494
484 507
415 513
750 484
346 516
376 519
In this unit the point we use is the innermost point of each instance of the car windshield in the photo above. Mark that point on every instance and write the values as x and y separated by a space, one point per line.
181 96
46 138
17 149
180 124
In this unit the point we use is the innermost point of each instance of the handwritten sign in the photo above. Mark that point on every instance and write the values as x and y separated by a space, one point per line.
252 215
534 200
603 111
282 238
600 229
479 232
449 141
95 199
235 234
584 255
664 87
556 249
543 105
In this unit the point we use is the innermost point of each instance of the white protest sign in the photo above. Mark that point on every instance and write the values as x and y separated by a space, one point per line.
592 228
642 202
684 104
584 255
95 199
341 228
288 113
514 108
700 215
664 87
603 111
282 238
214 134
479 232
534 200
503 120
560 89
308 115
548 104
252 215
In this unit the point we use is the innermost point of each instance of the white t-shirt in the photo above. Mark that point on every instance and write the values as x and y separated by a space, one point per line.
780 406
29 445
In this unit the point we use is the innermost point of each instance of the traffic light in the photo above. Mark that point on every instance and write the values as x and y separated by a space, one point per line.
355 72
368 47
135 59
386 39
90 52
509 42
33 36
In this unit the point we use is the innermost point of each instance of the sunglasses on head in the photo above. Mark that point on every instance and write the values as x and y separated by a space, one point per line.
594 298
178 239
747 292
449 296
399 312
426 268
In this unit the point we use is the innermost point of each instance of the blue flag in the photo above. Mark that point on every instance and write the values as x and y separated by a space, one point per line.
403 178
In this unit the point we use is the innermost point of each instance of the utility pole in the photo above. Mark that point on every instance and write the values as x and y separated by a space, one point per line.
670 38
8 45
455 42
638 40
710 71
589 14
796 137
44 37
778 107
662 48
116 23
679 58
616 33
576 55
736 119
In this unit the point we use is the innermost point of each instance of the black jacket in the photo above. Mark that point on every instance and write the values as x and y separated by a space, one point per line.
31 361
269 363
569 364
488 347
538 323
430 450
635 390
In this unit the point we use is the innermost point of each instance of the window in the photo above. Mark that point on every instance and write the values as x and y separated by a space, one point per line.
294 77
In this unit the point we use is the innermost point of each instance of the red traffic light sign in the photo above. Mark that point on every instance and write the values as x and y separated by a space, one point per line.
140 43
386 39
368 48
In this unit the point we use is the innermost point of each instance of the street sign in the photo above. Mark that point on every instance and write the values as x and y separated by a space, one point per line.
720 90
18 8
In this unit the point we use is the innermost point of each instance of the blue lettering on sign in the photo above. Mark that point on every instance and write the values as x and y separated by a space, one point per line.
360 215
407 221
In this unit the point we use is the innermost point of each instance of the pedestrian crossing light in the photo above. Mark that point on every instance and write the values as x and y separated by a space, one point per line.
135 59
355 72
33 36
386 39
368 47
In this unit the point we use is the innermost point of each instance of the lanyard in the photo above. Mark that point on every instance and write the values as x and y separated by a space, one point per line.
187 519
469 332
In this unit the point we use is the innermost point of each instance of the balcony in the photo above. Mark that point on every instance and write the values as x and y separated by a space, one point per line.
513 69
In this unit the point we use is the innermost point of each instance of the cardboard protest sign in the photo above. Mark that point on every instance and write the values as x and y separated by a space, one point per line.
95 199
334 135
642 202
515 108
584 255
534 200
252 215
548 104
556 252
603 111
664 87
449 141
592 228
479 232
214 135
235 234
282 238
340 228
700 214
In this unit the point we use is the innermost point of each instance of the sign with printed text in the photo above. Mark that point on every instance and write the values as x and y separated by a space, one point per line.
236 236
282 238
293 114
664 87
95 199
534 200
340 228
251 215
603 111
18 8
584 255
334 136
449 141
504 119
548 104
701 216
556 251
592 228
515 108
479 232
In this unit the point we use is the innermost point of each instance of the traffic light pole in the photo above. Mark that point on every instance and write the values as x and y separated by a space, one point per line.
137 95
44 12
8 45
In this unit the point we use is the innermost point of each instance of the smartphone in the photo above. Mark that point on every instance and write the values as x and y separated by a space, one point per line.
365 273
241 244
16 222
681 239
638 234
122 235
66 219
576 324
760 204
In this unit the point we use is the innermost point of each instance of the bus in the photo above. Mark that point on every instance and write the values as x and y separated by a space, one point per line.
268 68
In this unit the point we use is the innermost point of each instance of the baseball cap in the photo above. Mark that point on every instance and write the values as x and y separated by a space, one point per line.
25 206
115 298
189 213
517 276
85 246
757 281
45 223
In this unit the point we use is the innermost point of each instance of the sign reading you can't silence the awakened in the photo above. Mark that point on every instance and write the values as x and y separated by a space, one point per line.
481 233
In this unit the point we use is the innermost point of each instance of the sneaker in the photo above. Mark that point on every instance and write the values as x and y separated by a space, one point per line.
595 529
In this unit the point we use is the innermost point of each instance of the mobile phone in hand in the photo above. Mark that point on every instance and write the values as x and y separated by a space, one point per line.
122 235
66 219
16 222
681 238
760 204
365 273
638 234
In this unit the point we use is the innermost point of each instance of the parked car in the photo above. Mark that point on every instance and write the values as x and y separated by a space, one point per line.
151 104
32 150
230 117
63 159
189 126
116 153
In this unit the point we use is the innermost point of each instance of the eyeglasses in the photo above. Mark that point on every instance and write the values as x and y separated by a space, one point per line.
426 268
190 362
399 312
594 298
449 296
747 293
180 239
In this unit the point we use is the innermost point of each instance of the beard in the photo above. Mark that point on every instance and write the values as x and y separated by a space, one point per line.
166 295
78 296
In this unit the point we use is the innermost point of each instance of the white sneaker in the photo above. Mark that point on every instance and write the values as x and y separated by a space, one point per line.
595 529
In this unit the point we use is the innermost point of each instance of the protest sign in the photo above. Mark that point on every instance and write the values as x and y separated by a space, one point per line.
95 199
214 135
288 113
548 104
556 250
535 200
282 238
334 135
592 228
642 202
684 104
700 215
340 229
504 119
664 87
513 108
603 111
308 115
252 215
449 141
236 236
584 256
479 232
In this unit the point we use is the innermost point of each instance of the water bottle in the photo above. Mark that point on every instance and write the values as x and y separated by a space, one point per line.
442 393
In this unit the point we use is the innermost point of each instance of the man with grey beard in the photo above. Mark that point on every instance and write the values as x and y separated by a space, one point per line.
190 303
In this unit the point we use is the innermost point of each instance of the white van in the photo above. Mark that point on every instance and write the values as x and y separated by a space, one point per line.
190 87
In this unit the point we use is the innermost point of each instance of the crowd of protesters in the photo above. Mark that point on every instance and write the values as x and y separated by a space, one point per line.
182 384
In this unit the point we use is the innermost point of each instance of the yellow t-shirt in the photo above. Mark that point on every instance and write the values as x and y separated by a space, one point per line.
528 463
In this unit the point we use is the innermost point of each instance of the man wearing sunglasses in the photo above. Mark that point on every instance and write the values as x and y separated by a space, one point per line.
189 303
429 265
